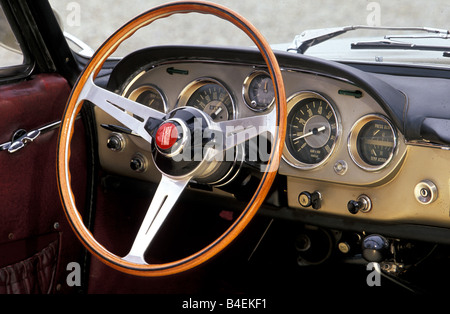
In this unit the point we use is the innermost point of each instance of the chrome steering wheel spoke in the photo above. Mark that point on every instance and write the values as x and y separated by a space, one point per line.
130 113
167 194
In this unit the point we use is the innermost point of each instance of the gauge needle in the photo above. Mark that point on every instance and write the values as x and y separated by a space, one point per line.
313 132
218 111
214 114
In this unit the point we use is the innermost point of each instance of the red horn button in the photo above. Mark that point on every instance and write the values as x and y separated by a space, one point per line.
166 136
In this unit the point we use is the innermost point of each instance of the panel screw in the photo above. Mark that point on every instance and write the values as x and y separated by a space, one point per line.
340 167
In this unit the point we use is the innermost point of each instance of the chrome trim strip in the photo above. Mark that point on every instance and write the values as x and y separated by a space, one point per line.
427 144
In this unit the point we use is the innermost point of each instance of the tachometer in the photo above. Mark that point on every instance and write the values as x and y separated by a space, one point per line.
312 130
372 142
211 97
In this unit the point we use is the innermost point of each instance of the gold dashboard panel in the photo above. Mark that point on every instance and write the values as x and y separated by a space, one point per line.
394 200
339 179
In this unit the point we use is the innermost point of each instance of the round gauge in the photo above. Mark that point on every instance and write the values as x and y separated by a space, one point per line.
312 130
372 142
258 91
150 96
210 97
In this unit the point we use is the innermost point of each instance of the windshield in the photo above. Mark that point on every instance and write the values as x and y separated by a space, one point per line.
278 20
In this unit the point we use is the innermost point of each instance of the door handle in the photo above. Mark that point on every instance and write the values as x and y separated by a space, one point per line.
19 140
21 137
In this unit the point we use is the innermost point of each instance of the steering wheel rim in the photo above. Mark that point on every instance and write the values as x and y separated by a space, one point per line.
74 106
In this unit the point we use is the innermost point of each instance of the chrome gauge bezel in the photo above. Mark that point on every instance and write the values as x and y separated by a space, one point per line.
353 142
246 91
192 87
291 102
135 93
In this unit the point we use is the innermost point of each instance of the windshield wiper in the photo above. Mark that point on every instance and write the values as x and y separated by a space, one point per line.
391 44
313 37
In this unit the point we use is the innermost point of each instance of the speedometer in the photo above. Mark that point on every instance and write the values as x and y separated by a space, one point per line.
372 142
312 130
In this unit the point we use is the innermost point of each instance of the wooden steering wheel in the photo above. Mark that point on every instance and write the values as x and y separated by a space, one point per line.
168 131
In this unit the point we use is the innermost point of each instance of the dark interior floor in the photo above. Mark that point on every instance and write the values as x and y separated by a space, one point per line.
262 263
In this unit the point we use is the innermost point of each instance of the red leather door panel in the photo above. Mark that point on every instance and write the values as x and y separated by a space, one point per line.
30 208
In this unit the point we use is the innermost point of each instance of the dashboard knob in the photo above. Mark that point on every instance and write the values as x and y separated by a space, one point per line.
307 199
363 204
354 206
375 248
115 142
138 163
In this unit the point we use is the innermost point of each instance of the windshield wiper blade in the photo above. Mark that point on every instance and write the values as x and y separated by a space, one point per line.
390 44
313 37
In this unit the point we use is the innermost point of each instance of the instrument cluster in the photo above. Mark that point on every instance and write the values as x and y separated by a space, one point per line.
313 129
210 95
321 130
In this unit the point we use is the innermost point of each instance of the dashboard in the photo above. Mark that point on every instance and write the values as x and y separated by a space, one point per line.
345 154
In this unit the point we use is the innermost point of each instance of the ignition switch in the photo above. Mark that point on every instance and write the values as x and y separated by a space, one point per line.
426 192
307 199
